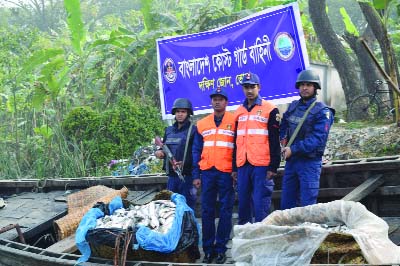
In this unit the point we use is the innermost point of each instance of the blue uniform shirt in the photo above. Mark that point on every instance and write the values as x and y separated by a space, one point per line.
175 139
311 140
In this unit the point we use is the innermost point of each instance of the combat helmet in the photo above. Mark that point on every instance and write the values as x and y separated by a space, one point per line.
308 75
182 103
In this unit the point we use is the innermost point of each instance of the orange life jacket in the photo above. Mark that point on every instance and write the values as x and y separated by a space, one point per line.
252 141
218 142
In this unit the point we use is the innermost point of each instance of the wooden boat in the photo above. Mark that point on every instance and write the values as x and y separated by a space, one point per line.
33 206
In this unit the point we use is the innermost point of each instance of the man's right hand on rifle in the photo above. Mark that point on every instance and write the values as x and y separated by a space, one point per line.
159 154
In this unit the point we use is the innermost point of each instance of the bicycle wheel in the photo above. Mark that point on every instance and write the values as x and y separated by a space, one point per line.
364 107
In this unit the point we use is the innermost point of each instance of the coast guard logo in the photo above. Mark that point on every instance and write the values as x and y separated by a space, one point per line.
284 46
169 70
229 126
328 115
259 112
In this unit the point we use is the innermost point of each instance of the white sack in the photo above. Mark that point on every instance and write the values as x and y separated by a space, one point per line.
283 239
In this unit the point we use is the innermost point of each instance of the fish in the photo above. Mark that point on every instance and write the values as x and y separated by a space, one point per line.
158 215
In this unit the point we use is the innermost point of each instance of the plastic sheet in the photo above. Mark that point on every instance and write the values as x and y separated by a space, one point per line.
282 238
152 240
89 222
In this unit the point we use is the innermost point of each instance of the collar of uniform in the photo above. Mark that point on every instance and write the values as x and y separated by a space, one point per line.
186 124
309 102
218 119
258 101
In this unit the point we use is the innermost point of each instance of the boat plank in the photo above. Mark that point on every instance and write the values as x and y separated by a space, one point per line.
394 229
365 188
143 197
29 210
66 245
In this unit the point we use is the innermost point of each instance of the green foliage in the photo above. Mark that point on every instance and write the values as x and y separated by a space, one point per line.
380 4
116 132
155 166
270 3
351 125
146 9
81 124
49 156
45 131
389 150
237 5
9 167
38 58
350 28
75 24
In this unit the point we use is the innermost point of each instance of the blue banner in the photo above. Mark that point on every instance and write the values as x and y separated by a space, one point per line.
269 43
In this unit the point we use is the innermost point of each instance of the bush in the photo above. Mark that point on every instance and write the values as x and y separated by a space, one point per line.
116 133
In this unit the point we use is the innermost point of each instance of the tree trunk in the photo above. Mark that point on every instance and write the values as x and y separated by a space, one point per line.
381 34
335 50
369 71
388 53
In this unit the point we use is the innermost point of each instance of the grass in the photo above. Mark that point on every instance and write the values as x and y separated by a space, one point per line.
361 124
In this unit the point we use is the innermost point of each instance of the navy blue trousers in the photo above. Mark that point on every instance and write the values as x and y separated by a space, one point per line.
254 193
300 183
215 183
176 185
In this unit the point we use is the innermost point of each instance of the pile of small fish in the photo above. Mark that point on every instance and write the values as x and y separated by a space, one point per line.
331 227
158 215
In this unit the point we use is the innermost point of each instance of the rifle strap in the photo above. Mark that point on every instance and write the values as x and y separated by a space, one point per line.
296 131
186 145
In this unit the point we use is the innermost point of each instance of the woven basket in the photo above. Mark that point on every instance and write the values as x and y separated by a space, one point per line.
79 203
181 255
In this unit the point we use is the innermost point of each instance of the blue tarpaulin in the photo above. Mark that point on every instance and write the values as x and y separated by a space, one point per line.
89 222
152 240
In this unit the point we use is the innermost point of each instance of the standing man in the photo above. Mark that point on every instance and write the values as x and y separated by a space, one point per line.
213 157
258 151
179 139
305 149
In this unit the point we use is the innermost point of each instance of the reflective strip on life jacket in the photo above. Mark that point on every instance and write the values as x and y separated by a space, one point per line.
258 118
256 131
242 132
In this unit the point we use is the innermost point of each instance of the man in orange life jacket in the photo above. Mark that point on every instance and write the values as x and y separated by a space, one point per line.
258 151
213 148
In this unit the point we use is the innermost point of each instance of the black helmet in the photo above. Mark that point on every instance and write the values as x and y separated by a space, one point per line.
182 103
308 76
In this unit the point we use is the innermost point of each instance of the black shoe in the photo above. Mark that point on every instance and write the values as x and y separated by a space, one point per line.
221 258
208 258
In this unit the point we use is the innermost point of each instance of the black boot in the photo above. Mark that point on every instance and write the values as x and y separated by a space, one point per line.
221 258
208 258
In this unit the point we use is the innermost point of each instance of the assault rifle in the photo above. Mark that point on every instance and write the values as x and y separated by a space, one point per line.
175 165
